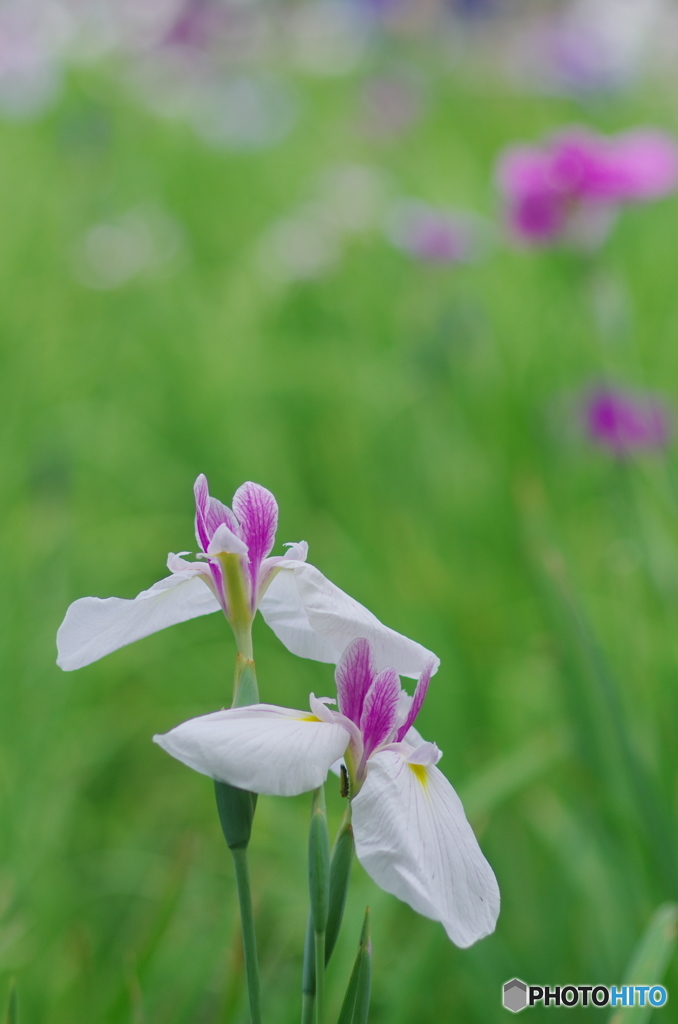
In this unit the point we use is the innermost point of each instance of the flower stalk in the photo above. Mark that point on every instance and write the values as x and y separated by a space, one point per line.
236 809
319 889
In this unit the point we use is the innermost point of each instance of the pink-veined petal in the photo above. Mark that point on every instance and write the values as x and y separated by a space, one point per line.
315 619
354 676
93 627
257 512
262 748
210 514
413 839
417 701
380 710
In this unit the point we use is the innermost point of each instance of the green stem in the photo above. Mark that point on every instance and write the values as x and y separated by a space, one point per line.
319 977
307 1007
249 939
245 689
236 811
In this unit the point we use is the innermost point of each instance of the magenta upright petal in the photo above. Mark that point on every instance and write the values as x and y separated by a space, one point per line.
210 514
354 676
380 710
257 512
417 701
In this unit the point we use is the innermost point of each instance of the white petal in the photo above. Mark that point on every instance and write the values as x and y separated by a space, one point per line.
224 541
262 748
413 839
94 627
315 619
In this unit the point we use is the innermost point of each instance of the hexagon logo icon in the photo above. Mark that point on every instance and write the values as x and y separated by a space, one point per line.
515 995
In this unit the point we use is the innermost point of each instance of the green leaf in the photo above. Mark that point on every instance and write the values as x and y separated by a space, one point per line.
236 813
319 862
12 1013
649 961
356 1006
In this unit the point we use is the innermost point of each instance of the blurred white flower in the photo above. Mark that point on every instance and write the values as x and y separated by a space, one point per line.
144 240
327 37
246 112
33 36
353 196
302 246
308 242
590 45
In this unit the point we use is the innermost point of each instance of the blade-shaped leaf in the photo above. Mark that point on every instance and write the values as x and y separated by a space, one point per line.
12 1013
649 961
356 1004
340 873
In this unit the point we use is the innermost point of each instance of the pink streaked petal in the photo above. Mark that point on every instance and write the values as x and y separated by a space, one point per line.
354 676
257 512
210 514
417 701
380 710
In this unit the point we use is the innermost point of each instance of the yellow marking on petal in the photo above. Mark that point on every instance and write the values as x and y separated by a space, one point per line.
421 771
309 718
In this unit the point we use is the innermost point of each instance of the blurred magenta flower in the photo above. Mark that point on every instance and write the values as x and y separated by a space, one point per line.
411 833
434 234
237 574
623 422
578 179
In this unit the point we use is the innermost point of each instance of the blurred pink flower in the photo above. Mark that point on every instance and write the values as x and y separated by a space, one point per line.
623 421
578 178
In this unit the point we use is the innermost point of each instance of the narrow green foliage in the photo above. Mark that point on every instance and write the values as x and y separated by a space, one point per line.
356 1006
340 874
12 1013
319 863
649 961
236 813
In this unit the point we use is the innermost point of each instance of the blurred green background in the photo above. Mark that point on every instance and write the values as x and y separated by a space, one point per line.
415 426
